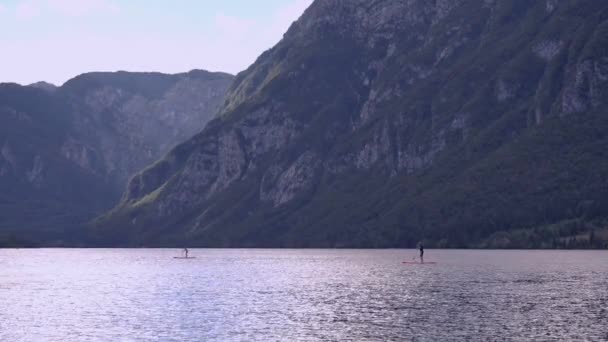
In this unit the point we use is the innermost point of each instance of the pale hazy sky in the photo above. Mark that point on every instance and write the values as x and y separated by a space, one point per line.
55 40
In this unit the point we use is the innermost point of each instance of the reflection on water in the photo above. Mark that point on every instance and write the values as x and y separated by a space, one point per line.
302 295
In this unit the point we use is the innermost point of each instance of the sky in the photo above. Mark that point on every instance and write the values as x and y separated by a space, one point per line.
55 40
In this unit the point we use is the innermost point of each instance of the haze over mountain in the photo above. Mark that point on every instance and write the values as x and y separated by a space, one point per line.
384 123
67 153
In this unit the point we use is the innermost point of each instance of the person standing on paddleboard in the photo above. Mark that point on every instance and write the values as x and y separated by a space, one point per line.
186 252
421 254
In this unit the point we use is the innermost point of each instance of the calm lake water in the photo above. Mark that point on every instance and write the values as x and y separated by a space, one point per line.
302 295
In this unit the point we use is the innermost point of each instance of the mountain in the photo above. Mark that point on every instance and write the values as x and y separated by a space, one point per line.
66 153
460 123
44 86
132 119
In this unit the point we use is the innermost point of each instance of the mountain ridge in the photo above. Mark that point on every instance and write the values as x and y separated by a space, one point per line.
67 152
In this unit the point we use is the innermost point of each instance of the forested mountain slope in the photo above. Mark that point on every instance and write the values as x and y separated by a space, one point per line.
384 123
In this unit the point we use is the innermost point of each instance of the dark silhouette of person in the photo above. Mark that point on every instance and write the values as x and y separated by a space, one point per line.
421 254
186 252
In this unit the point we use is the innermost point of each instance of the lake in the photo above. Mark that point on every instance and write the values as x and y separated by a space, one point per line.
302 295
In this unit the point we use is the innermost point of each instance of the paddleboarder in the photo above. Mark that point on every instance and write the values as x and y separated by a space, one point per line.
421 253
186 252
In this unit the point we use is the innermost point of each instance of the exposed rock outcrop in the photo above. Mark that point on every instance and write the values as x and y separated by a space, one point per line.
131 126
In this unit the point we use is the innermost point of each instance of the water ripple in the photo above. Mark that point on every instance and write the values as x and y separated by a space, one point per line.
302 295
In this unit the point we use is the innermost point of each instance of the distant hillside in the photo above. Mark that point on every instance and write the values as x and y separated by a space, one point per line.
44 86
66 153
383 123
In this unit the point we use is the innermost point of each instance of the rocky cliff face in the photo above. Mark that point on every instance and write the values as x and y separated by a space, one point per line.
67 153
364 124
132 120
